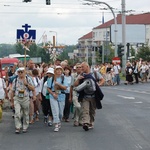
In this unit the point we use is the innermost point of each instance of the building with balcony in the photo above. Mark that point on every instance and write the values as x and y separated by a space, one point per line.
102 34
85 45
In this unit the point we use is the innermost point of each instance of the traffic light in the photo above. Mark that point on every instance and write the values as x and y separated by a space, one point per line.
94 48
27 1
48 2
120 50
100 50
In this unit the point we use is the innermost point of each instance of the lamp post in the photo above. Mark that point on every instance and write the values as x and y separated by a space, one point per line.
56 36
115 20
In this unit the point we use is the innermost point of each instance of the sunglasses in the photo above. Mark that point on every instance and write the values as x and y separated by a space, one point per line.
20 71
78 67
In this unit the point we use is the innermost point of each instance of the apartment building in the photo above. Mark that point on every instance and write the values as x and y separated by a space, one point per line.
102 33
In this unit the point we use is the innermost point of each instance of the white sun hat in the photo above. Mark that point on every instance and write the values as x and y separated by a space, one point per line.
50 70
20 69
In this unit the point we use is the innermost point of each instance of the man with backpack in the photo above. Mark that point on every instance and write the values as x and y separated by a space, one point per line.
90 96
21 87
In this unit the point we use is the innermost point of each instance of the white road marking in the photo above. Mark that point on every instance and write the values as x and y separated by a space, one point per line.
129 90
125 97
138 102
138 146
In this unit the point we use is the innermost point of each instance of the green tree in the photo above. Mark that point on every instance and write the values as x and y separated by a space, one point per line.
64 54
132 50
19 48
109 56
144 53
6 49
45 56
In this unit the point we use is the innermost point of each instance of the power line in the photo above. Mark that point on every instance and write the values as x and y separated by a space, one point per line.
98 8
73 13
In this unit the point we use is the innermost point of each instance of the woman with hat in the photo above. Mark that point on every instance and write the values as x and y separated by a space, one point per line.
56 87
46 108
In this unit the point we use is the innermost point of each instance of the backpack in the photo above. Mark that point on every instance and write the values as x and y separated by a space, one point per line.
44 80
91 88
37 81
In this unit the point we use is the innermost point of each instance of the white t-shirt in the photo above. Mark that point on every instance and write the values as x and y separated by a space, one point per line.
116 69
144 68
37 81
2 86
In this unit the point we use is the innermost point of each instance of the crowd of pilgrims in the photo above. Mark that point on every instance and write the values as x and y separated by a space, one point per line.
44 76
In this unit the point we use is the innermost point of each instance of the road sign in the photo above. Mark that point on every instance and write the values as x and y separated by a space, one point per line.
29 35
116 60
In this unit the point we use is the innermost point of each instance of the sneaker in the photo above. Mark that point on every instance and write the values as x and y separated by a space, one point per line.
24 130
56 128
50 123
85 126
91 126
17 131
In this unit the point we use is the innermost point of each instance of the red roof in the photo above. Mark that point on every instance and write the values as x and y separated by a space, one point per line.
130 19
86 36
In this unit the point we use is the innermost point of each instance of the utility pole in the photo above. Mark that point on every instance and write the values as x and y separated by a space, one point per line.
124 34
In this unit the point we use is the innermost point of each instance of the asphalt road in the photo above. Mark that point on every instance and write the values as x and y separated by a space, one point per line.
122 124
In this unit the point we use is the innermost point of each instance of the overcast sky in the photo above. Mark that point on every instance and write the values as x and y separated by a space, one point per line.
71 19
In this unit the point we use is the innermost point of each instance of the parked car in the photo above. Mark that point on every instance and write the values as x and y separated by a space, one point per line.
6 62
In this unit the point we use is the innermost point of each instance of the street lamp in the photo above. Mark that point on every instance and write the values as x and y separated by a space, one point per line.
56 36
115 20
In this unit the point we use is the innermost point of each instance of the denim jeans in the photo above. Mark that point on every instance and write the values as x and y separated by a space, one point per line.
57 109
117 79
